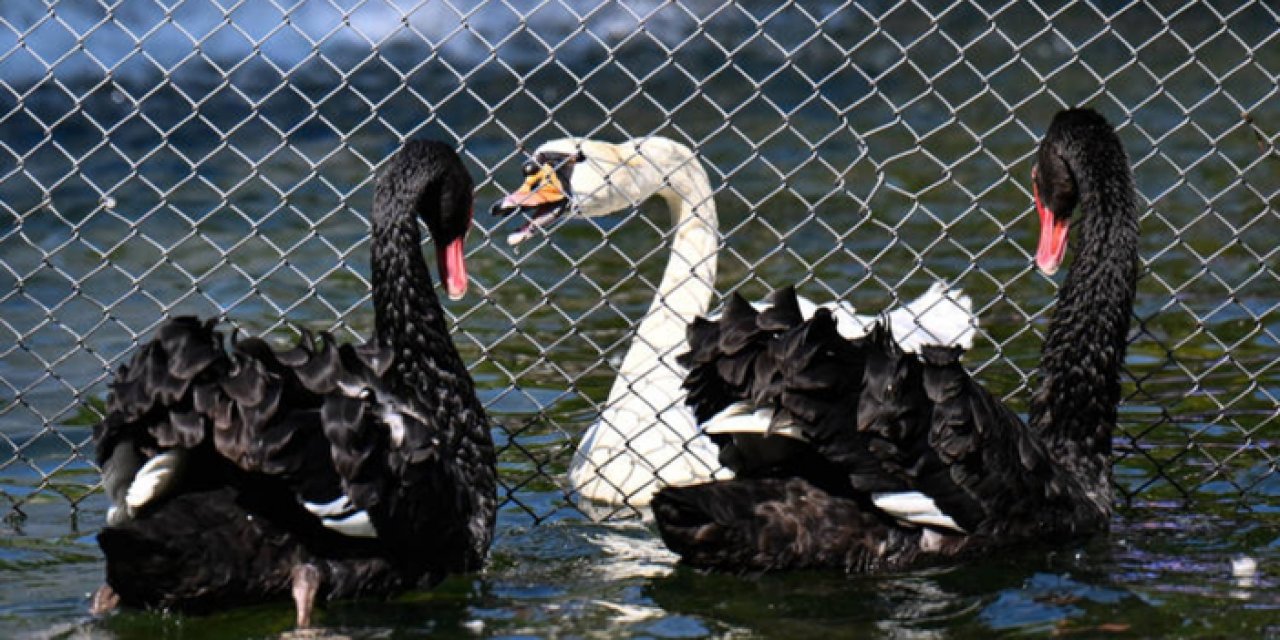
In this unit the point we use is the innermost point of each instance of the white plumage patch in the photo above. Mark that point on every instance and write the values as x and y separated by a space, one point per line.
342 516
931 541
916 508
742 417
153 479
940 316
339 507
395 422
356 525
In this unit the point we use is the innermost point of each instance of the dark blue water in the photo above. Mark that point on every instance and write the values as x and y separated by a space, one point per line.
219 162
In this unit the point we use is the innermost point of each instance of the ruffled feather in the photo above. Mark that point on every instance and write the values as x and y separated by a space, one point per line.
868 420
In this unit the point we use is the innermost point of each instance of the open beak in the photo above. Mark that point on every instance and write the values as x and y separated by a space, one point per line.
1053 237
451 260
453 267
542 196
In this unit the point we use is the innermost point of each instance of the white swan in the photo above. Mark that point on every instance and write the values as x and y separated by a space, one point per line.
646 437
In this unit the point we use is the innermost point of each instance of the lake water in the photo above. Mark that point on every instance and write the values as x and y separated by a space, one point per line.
220 184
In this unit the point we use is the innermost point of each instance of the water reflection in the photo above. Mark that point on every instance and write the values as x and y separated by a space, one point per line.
1161 572
1140 576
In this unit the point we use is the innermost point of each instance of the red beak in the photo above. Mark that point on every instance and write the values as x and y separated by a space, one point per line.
1053 237
453 267
451 259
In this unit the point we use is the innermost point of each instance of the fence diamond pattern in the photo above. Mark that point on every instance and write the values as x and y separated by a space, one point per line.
160 157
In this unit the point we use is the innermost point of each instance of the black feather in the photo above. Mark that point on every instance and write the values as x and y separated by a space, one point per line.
783 311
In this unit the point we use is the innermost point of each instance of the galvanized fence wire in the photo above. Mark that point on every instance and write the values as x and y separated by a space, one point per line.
160 157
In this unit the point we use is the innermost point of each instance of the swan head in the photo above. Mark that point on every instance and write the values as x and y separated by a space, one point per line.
1054 184
590 178
431 175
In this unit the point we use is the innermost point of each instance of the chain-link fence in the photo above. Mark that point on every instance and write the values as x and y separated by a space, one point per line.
215 157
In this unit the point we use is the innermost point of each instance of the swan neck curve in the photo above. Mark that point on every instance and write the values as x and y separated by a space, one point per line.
407 313
688 280
1075 405
428 375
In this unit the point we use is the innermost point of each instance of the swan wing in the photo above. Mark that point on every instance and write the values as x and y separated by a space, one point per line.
312 425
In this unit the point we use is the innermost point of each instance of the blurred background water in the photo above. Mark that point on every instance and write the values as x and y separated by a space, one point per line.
216 158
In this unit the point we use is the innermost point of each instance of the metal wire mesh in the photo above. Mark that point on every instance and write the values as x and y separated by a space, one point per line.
215 157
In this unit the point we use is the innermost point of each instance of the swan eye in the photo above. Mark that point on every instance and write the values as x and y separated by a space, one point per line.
530 168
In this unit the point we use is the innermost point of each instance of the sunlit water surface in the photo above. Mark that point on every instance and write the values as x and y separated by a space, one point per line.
1160 573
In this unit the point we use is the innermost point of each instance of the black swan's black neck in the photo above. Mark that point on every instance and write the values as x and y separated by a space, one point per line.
1074 406
409 319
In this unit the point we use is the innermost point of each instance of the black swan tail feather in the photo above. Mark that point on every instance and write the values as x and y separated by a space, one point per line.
197 552
765 524
207 549
852 400
260 410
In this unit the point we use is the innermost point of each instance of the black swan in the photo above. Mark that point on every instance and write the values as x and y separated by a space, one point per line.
326 471
895 460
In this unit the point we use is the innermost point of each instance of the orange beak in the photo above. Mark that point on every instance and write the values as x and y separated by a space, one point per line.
541 188
542 196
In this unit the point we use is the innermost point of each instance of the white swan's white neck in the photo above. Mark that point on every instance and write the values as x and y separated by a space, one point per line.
688 281
646 437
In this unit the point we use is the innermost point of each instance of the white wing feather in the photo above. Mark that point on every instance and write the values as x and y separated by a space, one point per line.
915 508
